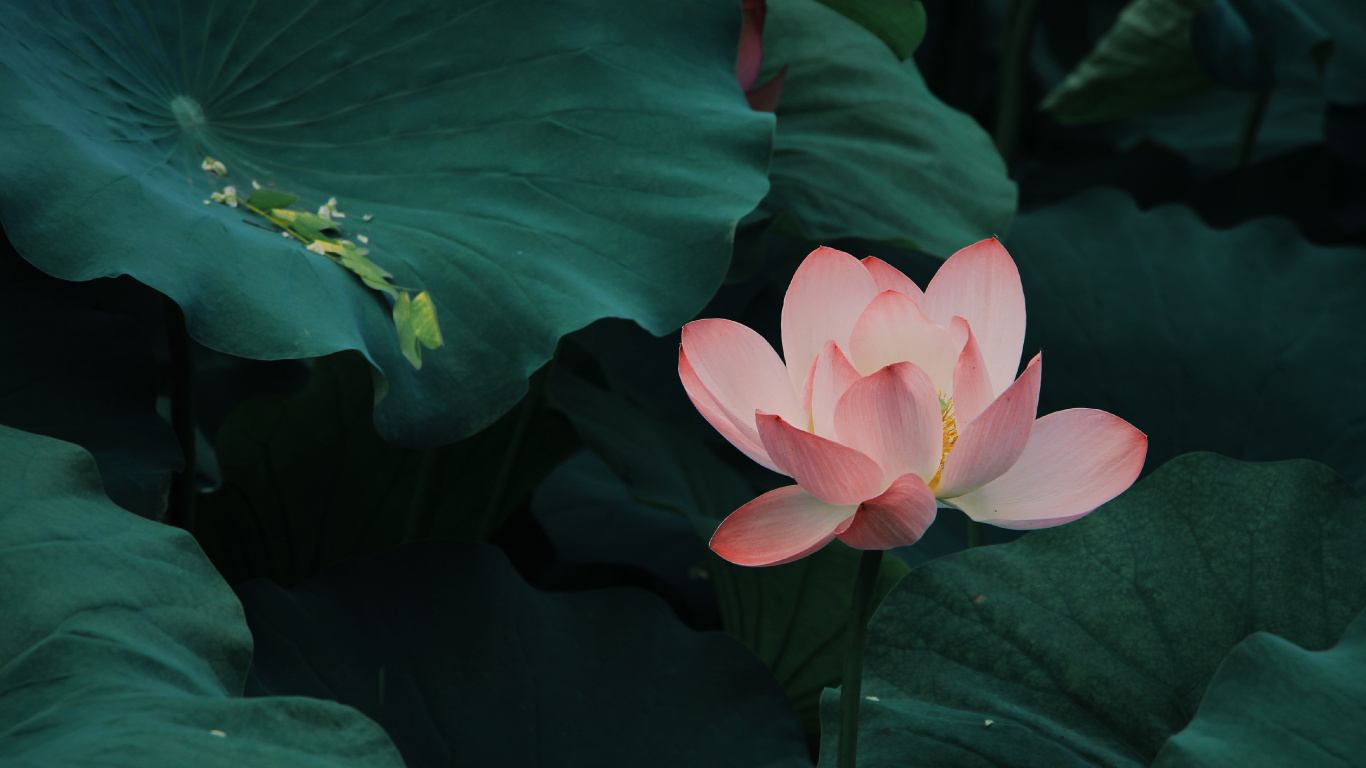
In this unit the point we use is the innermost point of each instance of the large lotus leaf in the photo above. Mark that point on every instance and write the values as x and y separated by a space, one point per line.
1092 643
1243 341
79 373
863 149
1274 703
1144 60
794 616
121 646
532 167
308 482
464 664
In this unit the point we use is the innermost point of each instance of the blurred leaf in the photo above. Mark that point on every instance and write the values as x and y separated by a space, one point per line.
864 149
308 482
1207 129
1325 37
122 647
1146 59
1274 703
793 616
78 373
266 199
1243 341
898 23
310 225
1092 643
464 664
1227 49
589 165
1233 41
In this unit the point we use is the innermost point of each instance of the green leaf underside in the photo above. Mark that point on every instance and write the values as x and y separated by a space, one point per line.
1274 703
1144 60
919 172
898 23
121 645
308 482
794 616
585 167
1155 316
465 664
1092 643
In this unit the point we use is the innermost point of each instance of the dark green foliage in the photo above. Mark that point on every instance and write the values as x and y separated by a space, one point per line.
308 482
464 664
1243 341
895 182
1192 244
1092 644
122 646
1274 703
77 369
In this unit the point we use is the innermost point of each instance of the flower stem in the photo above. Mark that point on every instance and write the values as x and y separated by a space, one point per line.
974 534
851 692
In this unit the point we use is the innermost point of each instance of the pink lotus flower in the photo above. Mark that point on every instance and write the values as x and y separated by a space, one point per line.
894 402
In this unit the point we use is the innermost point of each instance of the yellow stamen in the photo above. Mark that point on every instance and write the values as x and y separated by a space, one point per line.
950 433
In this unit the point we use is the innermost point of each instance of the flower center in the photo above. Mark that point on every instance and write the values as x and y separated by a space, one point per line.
950 433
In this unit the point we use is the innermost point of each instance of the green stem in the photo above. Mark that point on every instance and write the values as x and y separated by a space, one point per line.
180 505
1014 66
974 534
1251 125
851 692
